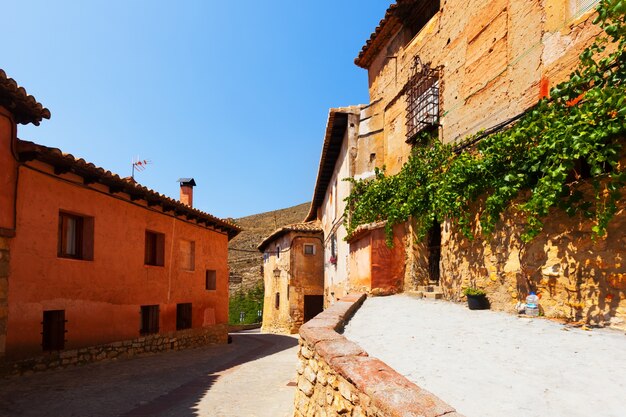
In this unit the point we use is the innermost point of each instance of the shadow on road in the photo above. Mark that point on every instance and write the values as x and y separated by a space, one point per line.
183 400
167 384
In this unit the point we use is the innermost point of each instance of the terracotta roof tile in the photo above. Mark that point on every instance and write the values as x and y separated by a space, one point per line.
24 107
306 227
65 162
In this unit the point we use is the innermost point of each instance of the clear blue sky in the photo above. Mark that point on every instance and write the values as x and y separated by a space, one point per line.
233 93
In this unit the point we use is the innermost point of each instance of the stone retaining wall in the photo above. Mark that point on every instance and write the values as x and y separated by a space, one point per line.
182 339
338 378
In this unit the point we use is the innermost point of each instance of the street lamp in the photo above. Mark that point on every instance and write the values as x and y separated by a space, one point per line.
276 272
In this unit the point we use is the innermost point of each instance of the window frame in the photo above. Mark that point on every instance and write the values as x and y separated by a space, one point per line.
82 236
184 316
149 319
210 277
309 245
423 100
154 249
53 330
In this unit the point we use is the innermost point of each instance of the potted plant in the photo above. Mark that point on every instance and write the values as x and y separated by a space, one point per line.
476 298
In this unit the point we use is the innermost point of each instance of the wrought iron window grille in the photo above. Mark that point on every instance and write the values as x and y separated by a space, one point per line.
422 99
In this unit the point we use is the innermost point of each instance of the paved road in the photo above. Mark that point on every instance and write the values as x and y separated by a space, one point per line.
248 378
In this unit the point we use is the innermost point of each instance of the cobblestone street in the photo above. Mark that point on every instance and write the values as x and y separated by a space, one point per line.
248 378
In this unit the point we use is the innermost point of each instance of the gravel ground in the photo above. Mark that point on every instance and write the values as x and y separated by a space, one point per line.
493 364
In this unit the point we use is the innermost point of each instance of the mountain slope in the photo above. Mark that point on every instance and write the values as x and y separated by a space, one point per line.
244 259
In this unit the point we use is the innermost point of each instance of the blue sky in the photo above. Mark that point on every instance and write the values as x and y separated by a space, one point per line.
233 93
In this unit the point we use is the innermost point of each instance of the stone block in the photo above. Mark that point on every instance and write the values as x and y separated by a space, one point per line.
310 374
316 335
330 349
305 386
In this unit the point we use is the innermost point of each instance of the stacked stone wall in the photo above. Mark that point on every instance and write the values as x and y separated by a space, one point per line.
182 339
338 378
579 277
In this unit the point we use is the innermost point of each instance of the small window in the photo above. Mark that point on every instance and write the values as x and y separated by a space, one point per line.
188 255
211 280
75 236
155 249
277 301
149 319
333 245
53 334
183 316
422 100
277 251
309 249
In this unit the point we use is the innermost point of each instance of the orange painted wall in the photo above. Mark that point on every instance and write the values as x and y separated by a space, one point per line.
102 297
7 169
376 267
387 263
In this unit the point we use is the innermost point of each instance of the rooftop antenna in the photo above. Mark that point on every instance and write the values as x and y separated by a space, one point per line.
139 165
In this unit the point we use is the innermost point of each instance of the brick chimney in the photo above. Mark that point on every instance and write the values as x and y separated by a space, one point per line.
186 191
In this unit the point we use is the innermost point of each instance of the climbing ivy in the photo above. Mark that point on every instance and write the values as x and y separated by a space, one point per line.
533 166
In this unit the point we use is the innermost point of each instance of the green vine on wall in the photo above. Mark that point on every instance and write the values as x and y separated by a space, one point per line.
582 125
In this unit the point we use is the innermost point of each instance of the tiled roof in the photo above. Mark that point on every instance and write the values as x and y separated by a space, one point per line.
364 229
335 128
385 27
63 162
25 108
306 227
399 14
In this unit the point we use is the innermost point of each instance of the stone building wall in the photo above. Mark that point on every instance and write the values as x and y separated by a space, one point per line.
299 275
182 339
576 276
336 377
494 59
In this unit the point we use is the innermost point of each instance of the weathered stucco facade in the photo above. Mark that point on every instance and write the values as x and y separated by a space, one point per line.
293 269
90 259
491 61
495 59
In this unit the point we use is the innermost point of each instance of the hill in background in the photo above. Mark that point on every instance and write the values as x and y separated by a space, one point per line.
244 259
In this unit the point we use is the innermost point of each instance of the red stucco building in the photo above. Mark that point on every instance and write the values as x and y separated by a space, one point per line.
88 258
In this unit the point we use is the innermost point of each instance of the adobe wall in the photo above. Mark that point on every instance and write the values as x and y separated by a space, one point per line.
307 276
182 339
336 377
494 56
277 320
4 292
577 278
8 177
102 297
300 275
374 266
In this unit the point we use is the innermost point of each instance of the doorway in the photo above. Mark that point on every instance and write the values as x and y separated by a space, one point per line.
313 305
434 252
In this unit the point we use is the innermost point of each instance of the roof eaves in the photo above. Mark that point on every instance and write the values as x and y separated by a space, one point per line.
24 107
91 173
304 227
328 159
386 27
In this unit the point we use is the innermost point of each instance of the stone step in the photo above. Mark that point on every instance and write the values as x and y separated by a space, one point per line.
435 295
417 294
429 288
